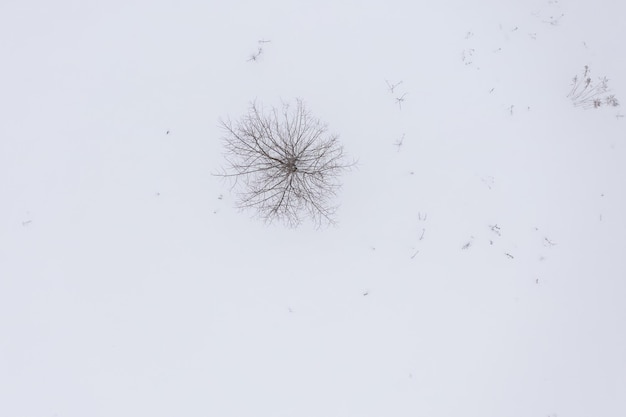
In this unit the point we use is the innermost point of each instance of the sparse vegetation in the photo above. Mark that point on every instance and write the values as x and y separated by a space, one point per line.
588 94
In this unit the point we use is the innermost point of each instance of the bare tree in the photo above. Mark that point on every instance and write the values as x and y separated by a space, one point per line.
285 164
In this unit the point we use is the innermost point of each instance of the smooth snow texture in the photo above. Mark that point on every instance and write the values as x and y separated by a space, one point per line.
477 270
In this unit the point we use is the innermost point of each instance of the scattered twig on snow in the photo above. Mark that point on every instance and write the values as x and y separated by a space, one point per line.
399 142
391 86
496 229
548 242
400 100
256 55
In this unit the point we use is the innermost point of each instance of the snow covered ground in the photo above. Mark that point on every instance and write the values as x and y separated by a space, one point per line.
477 270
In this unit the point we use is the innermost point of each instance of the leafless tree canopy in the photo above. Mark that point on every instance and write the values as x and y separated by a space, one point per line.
284 163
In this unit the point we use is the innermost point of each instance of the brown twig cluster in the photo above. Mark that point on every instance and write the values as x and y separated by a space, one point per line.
588 94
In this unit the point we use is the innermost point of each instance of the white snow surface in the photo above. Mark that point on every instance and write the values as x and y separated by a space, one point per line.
477 270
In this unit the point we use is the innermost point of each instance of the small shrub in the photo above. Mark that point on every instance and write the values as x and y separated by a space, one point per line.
588 94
